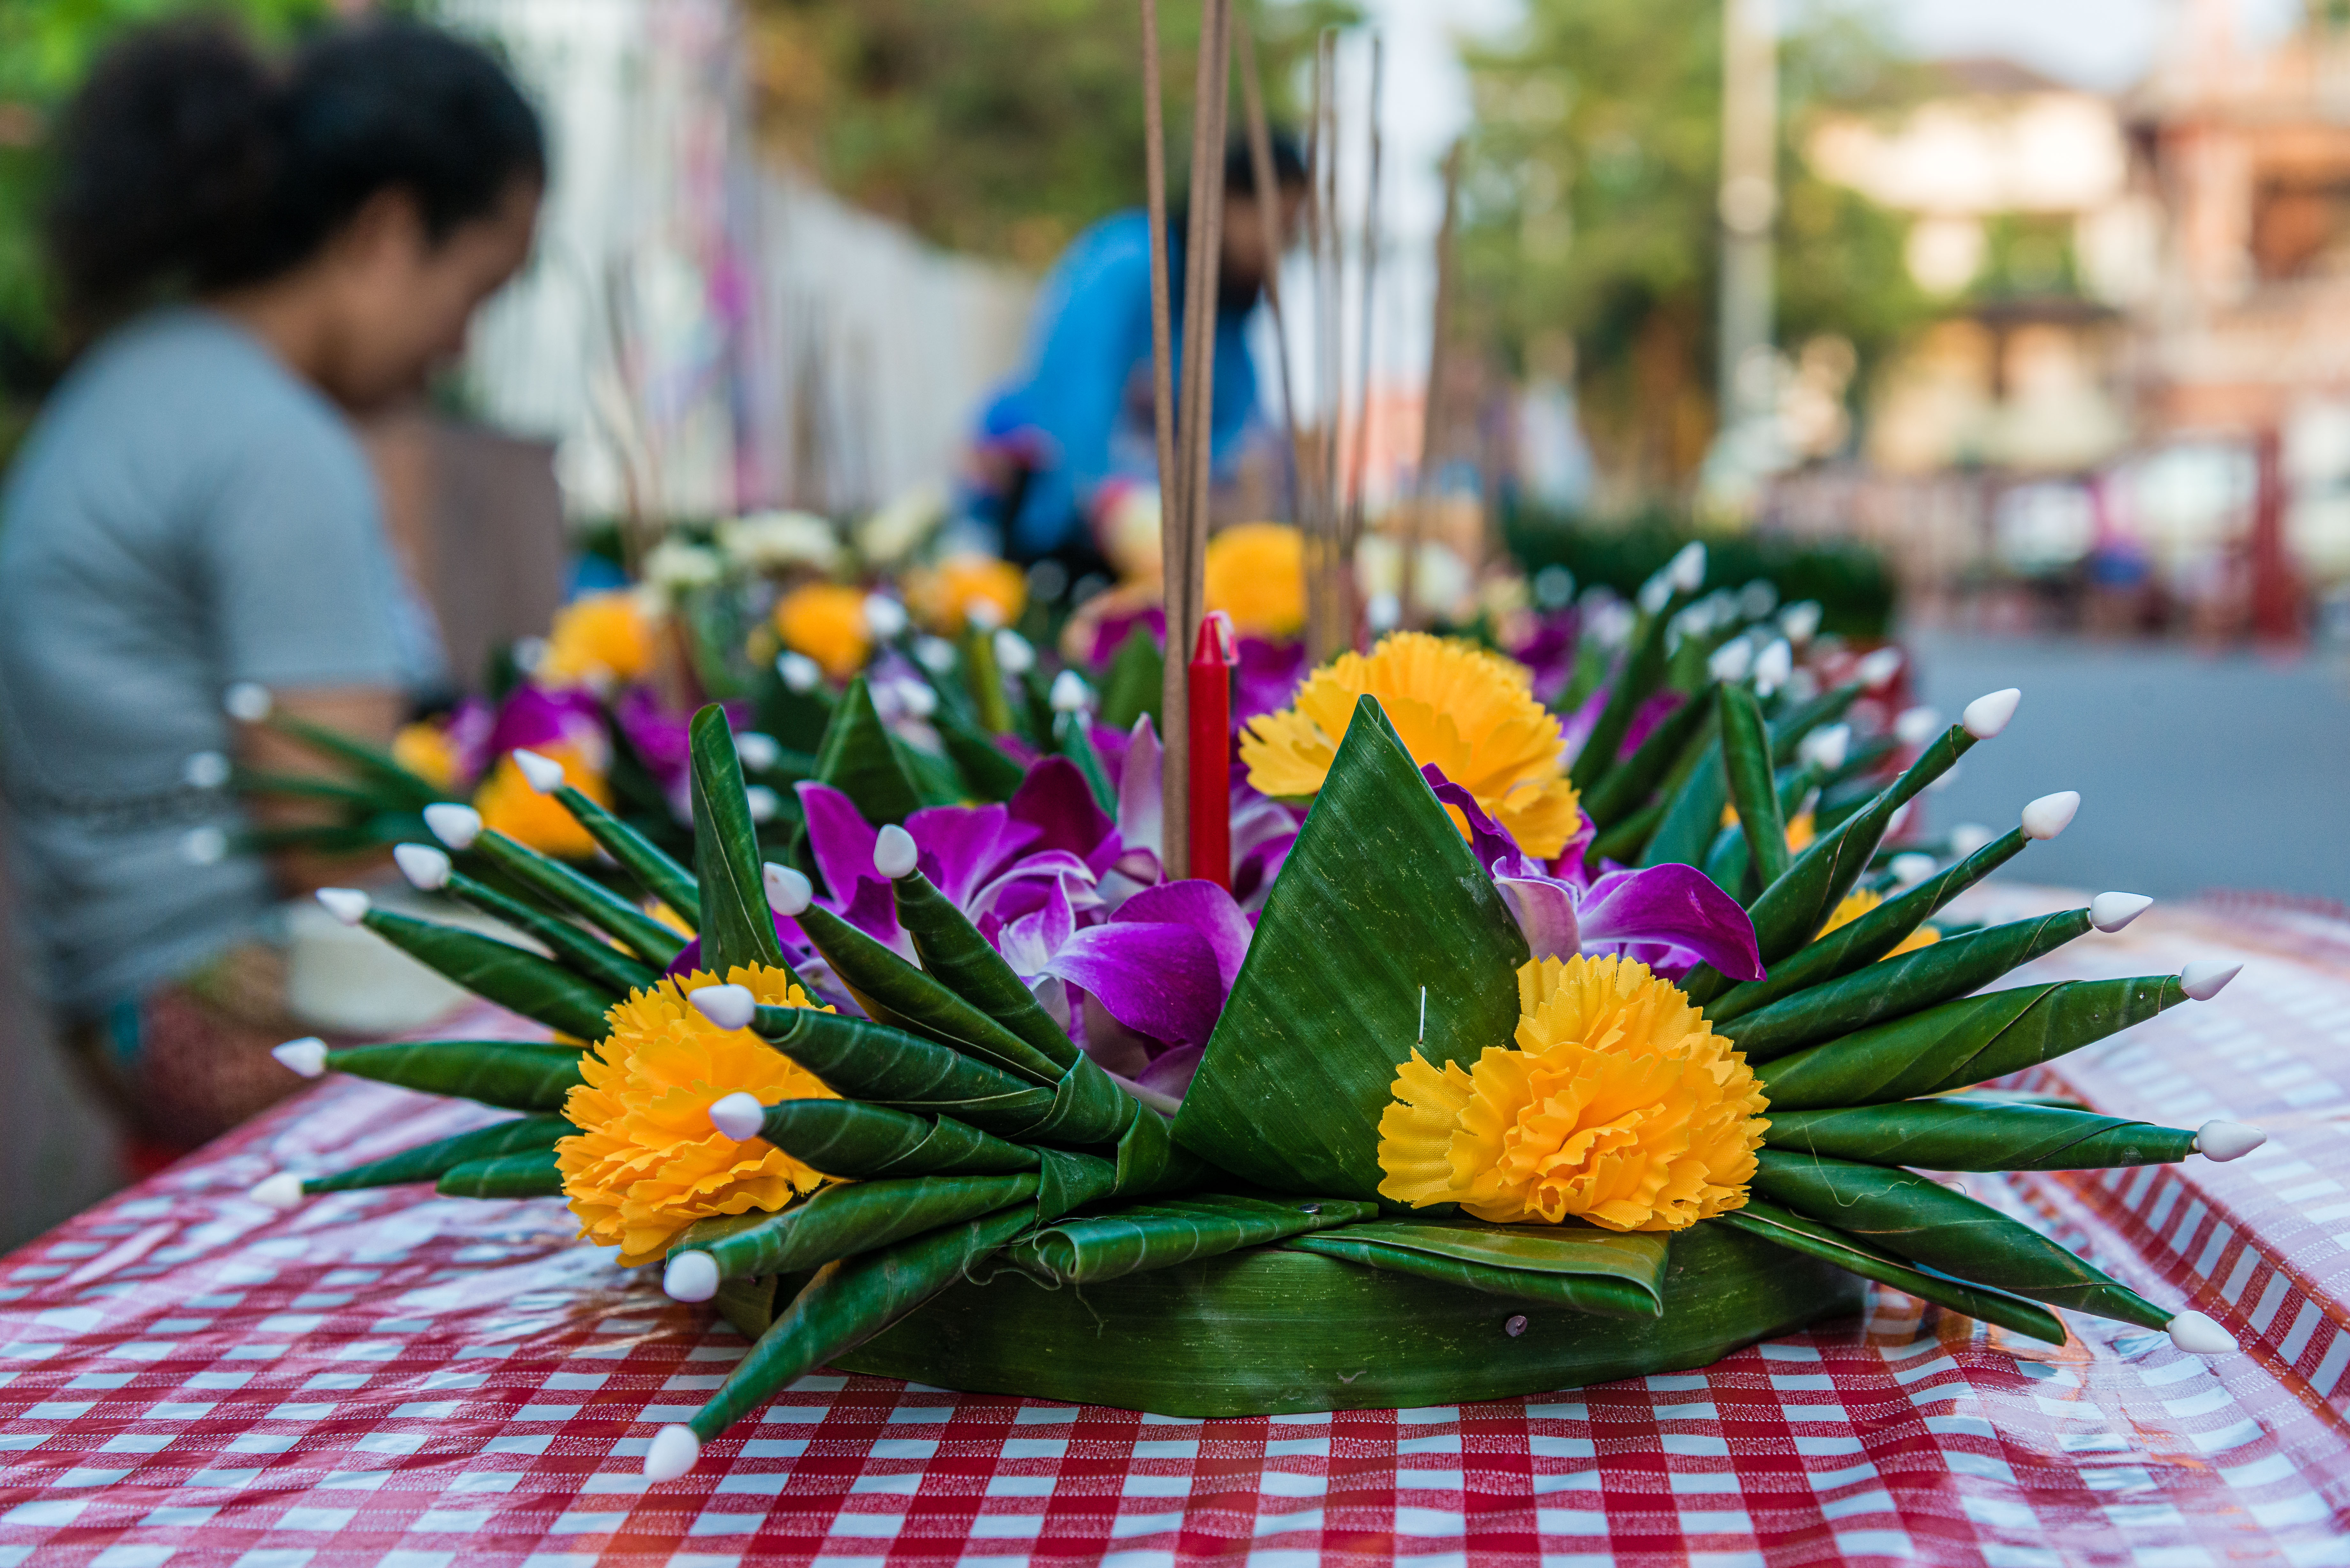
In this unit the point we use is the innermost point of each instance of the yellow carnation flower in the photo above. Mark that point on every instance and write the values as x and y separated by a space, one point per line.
1858 902
1618 1106
425 750
509 805
1469 711
942 597
646 1162
598 640
1257 574
826 621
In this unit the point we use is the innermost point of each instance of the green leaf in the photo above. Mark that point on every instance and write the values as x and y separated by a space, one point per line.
1379 901
1754 787
532 1174
1627 784
987 773
1634 1259
1788 730
1798 1234
1894 987
837 1221
518 1075
1073 738
500 971
1692 819
430 1161
867 1060
1624 842
850 1138
1133 686
1644 667
583 953
795 719
1945 1135
858 759
894 991
1965 1042
984 680
373 764
1575 1292
737 930
564 889
1161 1235
954 953
1860 942
936 779
645 861
1925 1222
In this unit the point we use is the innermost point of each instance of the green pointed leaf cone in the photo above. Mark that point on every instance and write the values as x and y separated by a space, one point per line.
1036 708
567 891
1140 1236
892 991
517 1076
1925 1222
1787 731
1753 788
532 1173
648 864
1938 1135
1809 1237
430 1161
1068 1182
954 953
858 759
872 1062
1970 1041
384 775
936 779
986 773
1896 987
1642 670
1635 1260
1380 899
862 1142
583 953
1627 787
1860 942
1594 1294
838 1221
737 930
984 680
1693 817
1624 842
1133 687
1073 738
795 719
849 1302
517 980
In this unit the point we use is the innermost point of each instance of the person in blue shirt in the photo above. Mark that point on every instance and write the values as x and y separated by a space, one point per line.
1068 454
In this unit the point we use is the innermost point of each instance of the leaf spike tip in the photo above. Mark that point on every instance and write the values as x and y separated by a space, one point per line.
1987 715
281 1191
727 1006
1687 571
739 1115
2190 1331
1772 666
2051 814
789 892
543 774
758 751
799 673
689 1277
885 618
894 853
1916 726
1069 694
2112 912
674 1452
763 803
348 905
454 825
1878 668
1014 654
2226 1140
426 868
307 1056
248 700
2206 977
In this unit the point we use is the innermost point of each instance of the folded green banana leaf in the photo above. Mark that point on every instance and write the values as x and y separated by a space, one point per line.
1941 1135
430 1161
1629 785
651 866
893 992
986 772
861 1142
583 953
1896 987
1591 1293
1927 1222
1136 681
1643 670
736 926
1636 1258
531 1174
1694 814
1073 738
1787 731
859 759
517 980
1625 840
1163 1233
1962 1042
516 1075
568 892
954 953
373 764
983 679
1800 1235
838 1221
1754 787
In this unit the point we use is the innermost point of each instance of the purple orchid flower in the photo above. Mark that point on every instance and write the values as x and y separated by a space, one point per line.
531 717
1262 830
663 739
1671 918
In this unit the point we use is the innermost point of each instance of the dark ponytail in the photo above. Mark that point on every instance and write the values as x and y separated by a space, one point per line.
188 164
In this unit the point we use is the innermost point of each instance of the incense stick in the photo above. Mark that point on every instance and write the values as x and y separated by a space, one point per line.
1268 196
1162 335
1360 454
1431 407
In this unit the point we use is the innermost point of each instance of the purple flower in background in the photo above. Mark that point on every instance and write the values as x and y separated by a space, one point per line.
1671 918
531 718
662 740
1266 678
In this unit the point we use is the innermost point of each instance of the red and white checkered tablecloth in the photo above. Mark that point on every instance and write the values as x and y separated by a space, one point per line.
395 1381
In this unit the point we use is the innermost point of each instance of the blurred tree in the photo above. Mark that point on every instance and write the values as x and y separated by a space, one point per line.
1001 127
1590 213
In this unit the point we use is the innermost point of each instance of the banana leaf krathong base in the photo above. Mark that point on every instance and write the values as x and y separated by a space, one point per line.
1272 1332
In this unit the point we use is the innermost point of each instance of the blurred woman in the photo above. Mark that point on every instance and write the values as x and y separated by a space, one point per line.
262 251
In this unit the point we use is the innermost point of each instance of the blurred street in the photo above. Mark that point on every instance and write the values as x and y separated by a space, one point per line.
2196 771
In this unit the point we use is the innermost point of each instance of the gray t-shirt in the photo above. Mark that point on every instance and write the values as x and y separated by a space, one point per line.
185 515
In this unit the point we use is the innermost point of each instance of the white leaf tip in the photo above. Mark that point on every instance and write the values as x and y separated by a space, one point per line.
799 673
763 803
739 1115
1014 655
2198 1335
1685 572
2051 814
1917 725
789 892
348 905
2222 1140
454 825
894 852
281 1191
543 774
885 618
758 751
2207 978
689 1277
1987 715
727 1006
305 1056
2112 912
248 700
1069 694
674 1452
1878 668
426 868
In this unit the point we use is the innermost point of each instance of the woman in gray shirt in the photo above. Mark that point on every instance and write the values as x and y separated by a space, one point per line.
278 247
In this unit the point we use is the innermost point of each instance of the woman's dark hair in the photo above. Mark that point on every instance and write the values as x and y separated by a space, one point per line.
188 162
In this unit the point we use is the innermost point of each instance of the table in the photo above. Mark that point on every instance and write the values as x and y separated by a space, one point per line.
390 1379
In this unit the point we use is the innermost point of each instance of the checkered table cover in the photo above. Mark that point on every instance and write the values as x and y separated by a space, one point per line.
392 1380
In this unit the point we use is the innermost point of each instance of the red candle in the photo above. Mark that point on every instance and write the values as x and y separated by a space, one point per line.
1212 658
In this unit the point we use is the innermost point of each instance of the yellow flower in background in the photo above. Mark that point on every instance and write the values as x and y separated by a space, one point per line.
646 1162
1858 902
1257 574
1618 1104
826 621
1800 831
509 805
942 595
425 750
1469 711
598 640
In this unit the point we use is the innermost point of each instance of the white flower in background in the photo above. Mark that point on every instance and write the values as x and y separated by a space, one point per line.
777 541
1443 584
677 565
891 535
